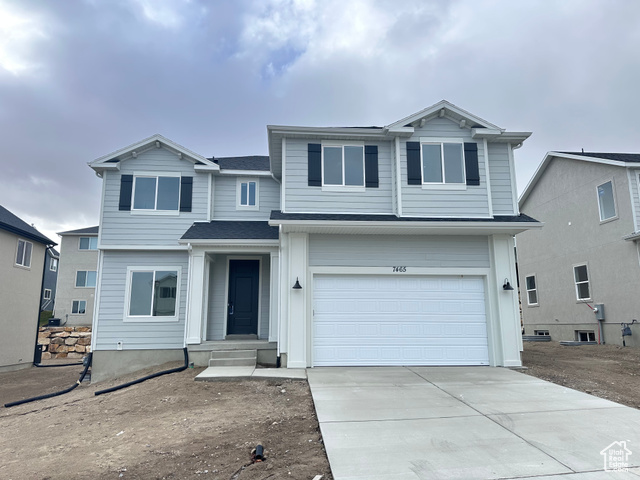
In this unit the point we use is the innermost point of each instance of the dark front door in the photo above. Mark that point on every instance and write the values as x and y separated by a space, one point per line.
242 306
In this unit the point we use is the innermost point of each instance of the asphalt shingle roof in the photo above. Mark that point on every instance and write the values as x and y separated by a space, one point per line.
13 224
278 215
252 162
228 230
620 157
80 231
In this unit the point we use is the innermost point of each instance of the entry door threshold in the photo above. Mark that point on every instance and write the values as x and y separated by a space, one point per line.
241 337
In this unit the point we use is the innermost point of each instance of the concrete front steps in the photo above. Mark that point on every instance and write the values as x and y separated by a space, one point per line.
233 358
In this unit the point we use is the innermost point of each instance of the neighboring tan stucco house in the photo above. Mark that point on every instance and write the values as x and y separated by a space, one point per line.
77 276
345 246
587 252
22 263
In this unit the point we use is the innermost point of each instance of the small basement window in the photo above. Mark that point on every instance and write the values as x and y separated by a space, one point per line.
544 333
585 336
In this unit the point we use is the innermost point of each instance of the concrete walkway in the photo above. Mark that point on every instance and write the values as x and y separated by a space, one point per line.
466 423
213 374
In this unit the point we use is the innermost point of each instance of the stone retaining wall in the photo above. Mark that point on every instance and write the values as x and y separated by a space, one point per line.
64 342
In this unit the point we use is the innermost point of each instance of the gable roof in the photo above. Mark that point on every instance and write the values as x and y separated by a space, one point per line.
13 224
443 108
112 160
610 158
82 231
251 162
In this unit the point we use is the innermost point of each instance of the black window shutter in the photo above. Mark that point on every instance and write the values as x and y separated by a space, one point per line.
315 165
471 163
186 192
414 172
126 186
371 166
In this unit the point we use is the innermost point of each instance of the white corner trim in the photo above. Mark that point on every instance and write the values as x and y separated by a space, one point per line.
632 195
398 176
512 176
283 186
487 177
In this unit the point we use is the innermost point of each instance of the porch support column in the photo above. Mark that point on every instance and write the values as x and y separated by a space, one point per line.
508 337
195 297
274 295
298 300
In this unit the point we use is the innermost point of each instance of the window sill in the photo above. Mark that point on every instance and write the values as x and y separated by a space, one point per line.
22 267
584 300
343 188
534 305
251 208
170 213
444 186
609 220
150 319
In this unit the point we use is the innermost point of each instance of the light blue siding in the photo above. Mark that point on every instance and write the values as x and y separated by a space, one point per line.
225 199
500 177
137 335
299 197
127 228
392 250
217 311
424 202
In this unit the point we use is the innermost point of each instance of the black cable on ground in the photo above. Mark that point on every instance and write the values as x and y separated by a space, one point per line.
57 365
148 377
55 394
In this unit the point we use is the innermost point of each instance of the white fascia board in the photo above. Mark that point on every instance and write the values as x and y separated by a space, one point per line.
230 242
154 248
328 132
547 159
486 132
206 168
632 237
246 173
500 136
434 109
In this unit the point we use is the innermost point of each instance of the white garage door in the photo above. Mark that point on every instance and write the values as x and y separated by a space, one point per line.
399 320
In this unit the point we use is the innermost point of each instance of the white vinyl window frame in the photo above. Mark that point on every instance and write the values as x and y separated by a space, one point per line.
342 187
240 205
443 185
586 282
92 243
613 199
86 284
155 210
47 294
532 291
78 307
150 318
24 252
53 264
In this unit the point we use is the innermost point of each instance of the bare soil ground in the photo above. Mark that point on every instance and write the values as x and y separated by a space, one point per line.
606 371
169 427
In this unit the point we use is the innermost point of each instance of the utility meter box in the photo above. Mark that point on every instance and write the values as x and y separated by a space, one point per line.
599 311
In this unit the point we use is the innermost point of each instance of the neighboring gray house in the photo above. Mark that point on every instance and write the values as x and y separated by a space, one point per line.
48 299
77 276
587 252
22 265
346 246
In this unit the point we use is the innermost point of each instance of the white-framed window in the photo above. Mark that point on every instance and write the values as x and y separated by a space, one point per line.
88 243
152 294
343 165
78 307
542 333
585 336
47 294
442 162
23 254
581 279
156 192
85 278
248 194
53 264
532 290
606 201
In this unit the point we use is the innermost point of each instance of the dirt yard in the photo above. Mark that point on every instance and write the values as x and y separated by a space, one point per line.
606 371
169 427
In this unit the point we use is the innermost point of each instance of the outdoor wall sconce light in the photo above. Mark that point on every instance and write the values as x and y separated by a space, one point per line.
507 285
297 285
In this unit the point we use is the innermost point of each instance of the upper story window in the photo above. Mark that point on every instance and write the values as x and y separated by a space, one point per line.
152 293
47 294
88 243
248 194
606 201
85 278
532 290
343 165
156 193
581 278
442 163
53 265
23 255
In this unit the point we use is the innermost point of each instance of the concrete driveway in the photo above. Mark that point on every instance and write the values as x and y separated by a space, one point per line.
467 423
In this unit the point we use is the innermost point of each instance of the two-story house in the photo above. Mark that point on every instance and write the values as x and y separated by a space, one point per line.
23 261
48 300
77 276
587 253
346 246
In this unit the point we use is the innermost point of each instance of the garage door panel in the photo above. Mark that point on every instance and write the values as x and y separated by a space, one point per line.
378 320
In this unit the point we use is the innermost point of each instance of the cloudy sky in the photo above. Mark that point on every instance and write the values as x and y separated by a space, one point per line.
82 78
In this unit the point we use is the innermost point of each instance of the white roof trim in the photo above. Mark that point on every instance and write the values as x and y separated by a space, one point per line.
246 173
547 159
101 163
437 107
230 242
